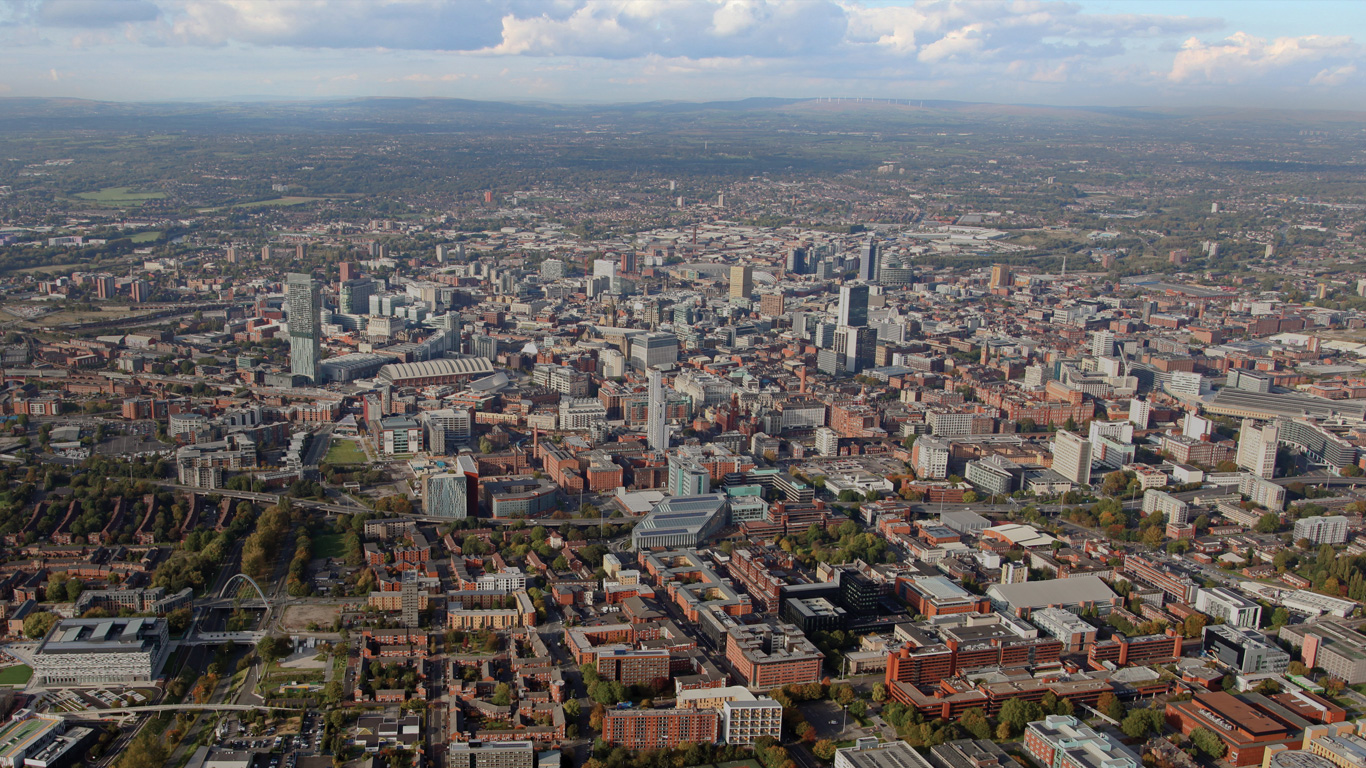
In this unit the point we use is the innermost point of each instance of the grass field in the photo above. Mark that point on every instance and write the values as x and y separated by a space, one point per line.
264 203
119 196
328 545
145 237
344 452
18 674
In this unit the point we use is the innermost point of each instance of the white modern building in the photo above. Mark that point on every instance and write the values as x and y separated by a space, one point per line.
1072 457
1257 448
1173 509
1330 529
100 651
1230 606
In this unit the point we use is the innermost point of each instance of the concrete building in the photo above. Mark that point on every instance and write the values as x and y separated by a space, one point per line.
868 753
1328 529
853 306
653 349
745 720
741 282
491 754
95 651
1075 633
1174 510
1233 608
1061 741
1246 651
1257 448
656 427
1072 457
1337 647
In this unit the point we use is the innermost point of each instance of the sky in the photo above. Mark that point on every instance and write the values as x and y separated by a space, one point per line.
1156 53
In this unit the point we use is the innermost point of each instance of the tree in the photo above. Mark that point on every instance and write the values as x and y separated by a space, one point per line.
1003 732
1280 617
572 710
502 695
1207 742
560 564
1018 713
39 624
1141 722
974 721
74 588
1268 523
879 692
1195 624
824 749
146 751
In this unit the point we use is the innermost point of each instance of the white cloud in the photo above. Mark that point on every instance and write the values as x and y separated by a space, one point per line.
1242 57
1334 76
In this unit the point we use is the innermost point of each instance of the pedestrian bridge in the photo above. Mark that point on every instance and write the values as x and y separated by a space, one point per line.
102 713
217 638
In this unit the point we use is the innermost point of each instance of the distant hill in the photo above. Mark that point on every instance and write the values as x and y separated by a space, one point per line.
398 114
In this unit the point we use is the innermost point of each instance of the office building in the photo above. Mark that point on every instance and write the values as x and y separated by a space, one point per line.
1102 344
870 265
994 475
868 753
653 349
656 424
446 495
305 326
741 282
1075 633
1329 529
353 296
1072 457
446 429
796 261
41 741
1062 741
1257 448
853 306
1245 651
1001 277
1336 647
1234 609
101 651
816 614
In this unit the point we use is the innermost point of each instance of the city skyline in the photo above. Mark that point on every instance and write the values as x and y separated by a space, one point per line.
1101 53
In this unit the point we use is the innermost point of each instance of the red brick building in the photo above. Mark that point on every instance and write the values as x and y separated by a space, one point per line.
1247 724
638 729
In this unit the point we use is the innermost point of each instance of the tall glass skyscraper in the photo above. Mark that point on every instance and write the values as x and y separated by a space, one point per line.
305 326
